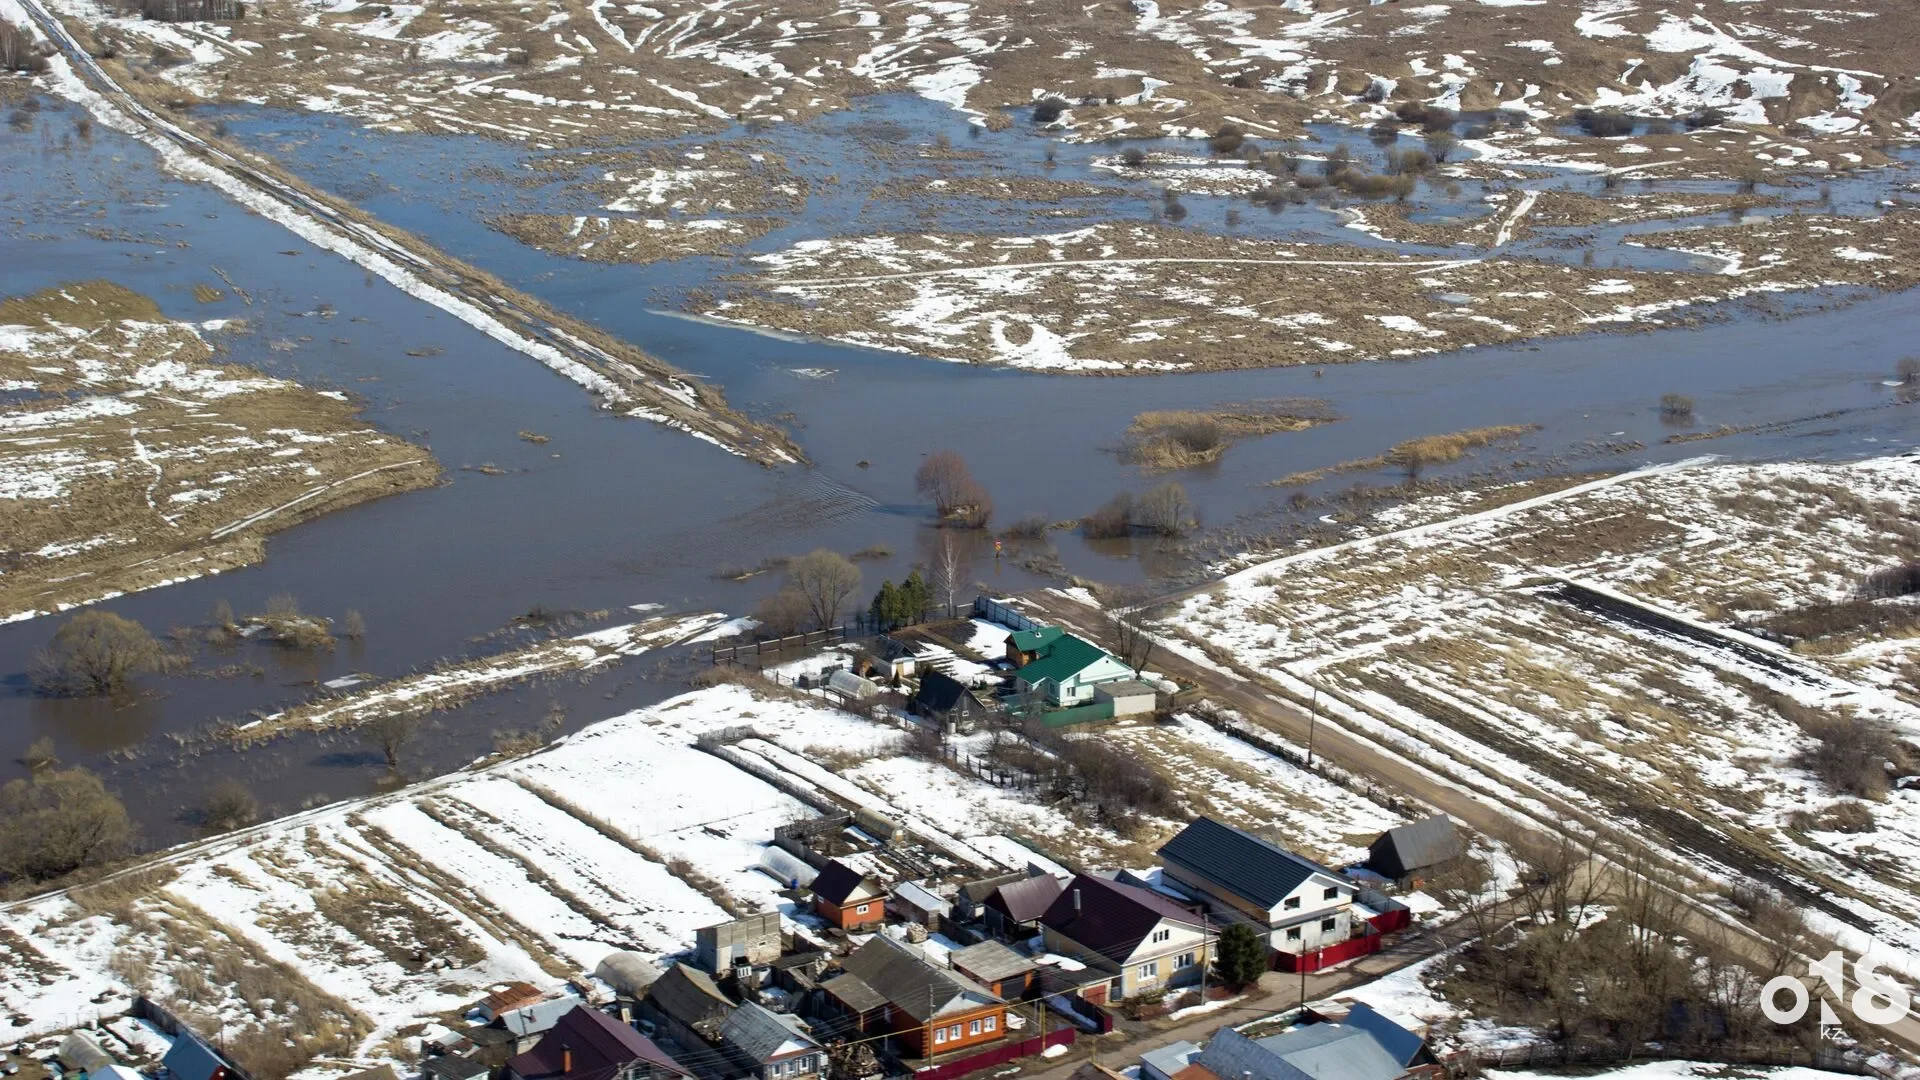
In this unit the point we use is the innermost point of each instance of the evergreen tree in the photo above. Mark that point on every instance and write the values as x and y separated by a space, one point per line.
1242 957
886 606
915 598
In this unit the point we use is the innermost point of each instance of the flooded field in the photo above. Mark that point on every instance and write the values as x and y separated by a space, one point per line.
549 504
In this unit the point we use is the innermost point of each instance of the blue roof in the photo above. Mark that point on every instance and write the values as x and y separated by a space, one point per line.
1402 1044
191 1059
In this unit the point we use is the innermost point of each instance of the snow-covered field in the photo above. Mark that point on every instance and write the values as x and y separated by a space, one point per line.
1459 644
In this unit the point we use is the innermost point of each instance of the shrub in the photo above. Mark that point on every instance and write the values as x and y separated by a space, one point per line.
782 612
1403 163
1227 139
1114 519
956 496
1133 157
1479 131
95 652
1049 109
1849 753
1902 580
1031 527
1245 80
1384 132
1908 370
228 806
1438 120
1412 112
1705 118
39 754
390 733
1375 93
1441 145
59 822
353 626
1176 210
1165 510
1605 123
1676 407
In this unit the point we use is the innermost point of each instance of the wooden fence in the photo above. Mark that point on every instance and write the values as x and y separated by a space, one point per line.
1468 1062
145 1008
999 1055
832 635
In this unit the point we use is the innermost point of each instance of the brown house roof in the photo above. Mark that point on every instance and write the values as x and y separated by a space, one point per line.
838 882
510 997
902 976
599 1046
1110 918
1026 900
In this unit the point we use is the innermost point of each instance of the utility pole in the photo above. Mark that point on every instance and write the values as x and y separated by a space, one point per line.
1313 721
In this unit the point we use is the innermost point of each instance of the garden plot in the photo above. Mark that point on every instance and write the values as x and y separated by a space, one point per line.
1579 652
130 457
1135 299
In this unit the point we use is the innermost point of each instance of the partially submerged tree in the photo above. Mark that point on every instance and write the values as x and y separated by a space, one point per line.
391 734
58 822
1676 407
1165 510
950 567
228 806
824 579
39 754
958 499
95 652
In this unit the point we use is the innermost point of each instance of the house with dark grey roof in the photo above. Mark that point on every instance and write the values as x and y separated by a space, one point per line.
453 1067
191 1059
771 1045
1014 908
991 964
847 898
967 902
1138 939
1300 905
946 701
893 987
1418 847
587 1044
1365 1046
686 1006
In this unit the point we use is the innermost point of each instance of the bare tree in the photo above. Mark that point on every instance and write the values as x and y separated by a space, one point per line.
950 567
1166 510
95 652
391 733
824 579
1128 637
782 612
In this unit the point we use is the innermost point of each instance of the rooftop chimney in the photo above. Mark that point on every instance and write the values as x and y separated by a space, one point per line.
1076 901
566 1059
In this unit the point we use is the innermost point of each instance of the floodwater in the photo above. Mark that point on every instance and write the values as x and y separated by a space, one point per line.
615 512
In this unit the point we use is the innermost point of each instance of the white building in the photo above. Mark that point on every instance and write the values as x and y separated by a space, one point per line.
1300 905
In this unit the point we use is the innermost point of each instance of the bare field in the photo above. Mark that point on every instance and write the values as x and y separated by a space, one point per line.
1133 299
1594 653
139 459
630 240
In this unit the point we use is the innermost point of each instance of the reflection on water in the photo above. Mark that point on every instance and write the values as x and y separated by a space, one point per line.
92 725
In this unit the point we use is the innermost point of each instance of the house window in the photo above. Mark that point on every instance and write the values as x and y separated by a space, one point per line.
973 1028
1330 894
862 909
939 1035
1292 903
1150 969
1185 961
1293 934
1162 935
956 1032
1328 924
991 1022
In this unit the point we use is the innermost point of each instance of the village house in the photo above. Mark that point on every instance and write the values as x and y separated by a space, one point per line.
505 999
587 1044
947 702
968 903
848 899
1025 646
1300 906
1365 1045
685 1005
529 1023
1013 910
916 903
770 1045
991 964
754 939
191 1059
453 1067
1066 671
1406 852
1141 941
892 987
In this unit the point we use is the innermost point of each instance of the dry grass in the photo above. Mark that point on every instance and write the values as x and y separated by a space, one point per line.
1414 454
1165 439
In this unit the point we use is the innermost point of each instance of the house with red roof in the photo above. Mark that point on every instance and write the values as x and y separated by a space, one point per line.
1140 940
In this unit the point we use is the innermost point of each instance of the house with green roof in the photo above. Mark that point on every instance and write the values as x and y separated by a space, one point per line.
1025 646
1066 670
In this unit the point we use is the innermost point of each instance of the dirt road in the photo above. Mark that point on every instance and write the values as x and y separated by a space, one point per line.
1244 691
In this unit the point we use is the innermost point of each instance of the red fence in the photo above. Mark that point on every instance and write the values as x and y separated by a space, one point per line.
1388 921
1331 955
999 1055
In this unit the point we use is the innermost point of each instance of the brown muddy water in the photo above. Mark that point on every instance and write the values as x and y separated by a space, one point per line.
612 512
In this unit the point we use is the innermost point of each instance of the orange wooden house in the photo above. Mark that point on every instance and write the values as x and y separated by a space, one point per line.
848 899
893 988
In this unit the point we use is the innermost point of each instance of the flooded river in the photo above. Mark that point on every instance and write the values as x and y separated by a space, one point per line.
612 513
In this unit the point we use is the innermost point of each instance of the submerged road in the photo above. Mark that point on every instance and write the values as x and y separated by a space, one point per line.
624 378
